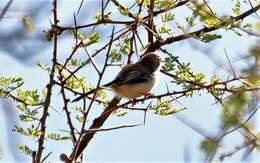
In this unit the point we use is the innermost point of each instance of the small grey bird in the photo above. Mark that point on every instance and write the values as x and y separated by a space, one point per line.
134 80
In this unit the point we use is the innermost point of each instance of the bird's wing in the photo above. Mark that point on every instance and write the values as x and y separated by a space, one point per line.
133 77
128 76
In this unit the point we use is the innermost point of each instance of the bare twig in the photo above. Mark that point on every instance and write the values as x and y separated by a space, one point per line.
81 4
253 7
7 6
92 61
232 152
231 67
49 89
65 101
249 32
242 124
46 157
212 12
93 130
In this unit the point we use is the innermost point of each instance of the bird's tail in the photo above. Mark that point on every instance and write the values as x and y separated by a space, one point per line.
85 95
110 84
93 91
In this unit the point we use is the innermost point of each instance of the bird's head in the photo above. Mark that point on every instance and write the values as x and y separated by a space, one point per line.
151 61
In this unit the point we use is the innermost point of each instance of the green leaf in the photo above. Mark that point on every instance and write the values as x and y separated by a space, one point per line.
92 39
24 149
190 21
205 15
165 29
119 113
30 97
30 132
209 145
29 114
22 107
79 118
257 26
257 141
205 37
123 11
199 78
87 40
27 118
98 17
166 17
215 79
115 55
125 46
75 62
8 84
168 111
28 23
164 4
236 109
75 83
248 25
58 137
169 64
180 27
236 9
237 33
43 66
164 108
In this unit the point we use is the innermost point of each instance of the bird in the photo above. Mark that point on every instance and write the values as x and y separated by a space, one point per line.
134 80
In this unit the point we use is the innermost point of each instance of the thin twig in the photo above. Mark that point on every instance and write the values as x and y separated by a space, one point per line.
81 4
109 129
231 67
7 6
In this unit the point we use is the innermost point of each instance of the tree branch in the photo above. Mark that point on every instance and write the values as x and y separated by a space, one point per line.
159 43
49 89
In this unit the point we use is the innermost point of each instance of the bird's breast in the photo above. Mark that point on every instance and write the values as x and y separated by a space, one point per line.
136 90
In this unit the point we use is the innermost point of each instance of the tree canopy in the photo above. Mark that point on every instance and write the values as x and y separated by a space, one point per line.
117 35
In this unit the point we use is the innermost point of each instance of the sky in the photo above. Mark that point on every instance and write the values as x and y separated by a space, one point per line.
161 139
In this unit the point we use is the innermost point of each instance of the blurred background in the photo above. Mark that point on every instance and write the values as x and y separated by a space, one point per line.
161 139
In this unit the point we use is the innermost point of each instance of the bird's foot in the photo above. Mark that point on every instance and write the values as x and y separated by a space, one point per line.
133 102
146 95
